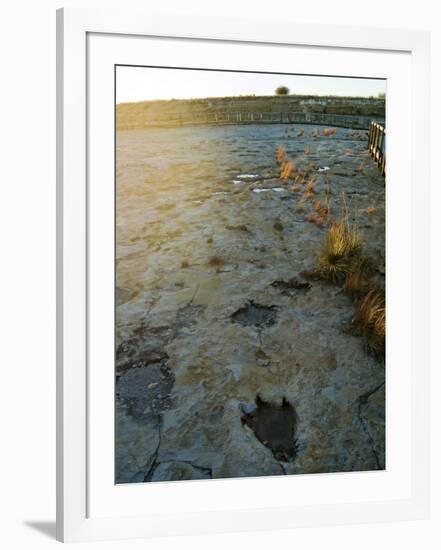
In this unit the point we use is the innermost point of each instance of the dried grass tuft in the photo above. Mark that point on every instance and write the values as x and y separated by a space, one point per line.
280 154
287 169
320 208
315 218
357 280
369 319
340 251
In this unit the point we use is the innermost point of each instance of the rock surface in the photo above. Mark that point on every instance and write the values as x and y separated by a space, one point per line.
213 315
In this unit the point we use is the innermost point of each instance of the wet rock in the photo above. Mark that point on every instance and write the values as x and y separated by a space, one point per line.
372 416
255 315
146 390
137 441
155 357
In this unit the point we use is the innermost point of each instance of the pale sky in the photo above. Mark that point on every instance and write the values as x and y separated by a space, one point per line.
144 83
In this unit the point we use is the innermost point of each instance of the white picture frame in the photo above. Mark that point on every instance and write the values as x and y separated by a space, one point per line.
75 400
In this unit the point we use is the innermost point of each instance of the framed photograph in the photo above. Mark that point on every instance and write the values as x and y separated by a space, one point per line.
242 275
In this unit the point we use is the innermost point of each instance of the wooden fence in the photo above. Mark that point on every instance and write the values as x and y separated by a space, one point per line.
357 122
360 122
377 145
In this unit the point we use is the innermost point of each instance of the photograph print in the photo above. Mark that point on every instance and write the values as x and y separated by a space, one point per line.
250 311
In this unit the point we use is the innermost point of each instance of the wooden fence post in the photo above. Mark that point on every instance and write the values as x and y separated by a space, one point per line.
377 145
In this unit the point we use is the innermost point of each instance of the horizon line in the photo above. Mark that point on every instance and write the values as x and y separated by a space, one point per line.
344 96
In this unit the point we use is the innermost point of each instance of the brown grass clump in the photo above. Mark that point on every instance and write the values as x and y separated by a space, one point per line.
185 264
360 168
300 132
369 319
320 208
315 218
341 261
341 249
287 168
307 151
370 210
354 284
280 154
301 206
278 226
300 179
215 261
357 280
314 132
329 132
309 188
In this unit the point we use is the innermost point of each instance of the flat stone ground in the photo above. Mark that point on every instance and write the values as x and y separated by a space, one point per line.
222 369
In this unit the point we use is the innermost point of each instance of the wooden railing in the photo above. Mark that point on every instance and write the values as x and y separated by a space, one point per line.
377 145
360 122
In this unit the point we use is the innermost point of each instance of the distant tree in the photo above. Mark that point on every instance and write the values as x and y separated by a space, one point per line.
282 90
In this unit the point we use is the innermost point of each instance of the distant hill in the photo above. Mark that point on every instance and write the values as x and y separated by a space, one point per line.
174 112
